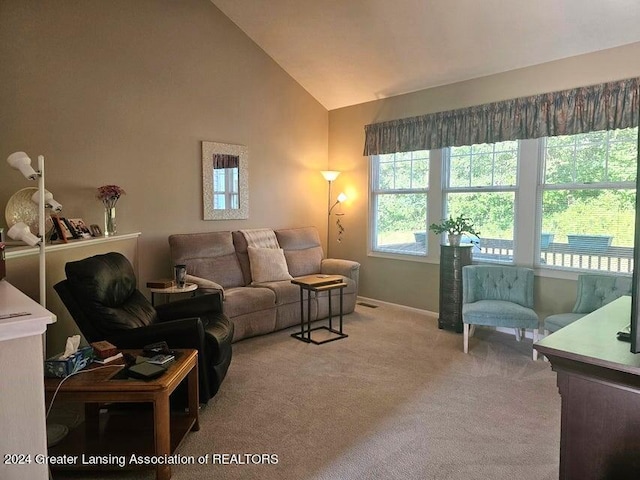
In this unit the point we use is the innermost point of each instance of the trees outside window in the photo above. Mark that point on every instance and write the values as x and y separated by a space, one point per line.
585 193
399 189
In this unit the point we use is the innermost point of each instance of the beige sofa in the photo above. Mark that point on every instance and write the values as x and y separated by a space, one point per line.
256 283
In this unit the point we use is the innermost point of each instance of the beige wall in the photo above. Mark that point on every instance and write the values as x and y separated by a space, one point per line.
123 92
416 284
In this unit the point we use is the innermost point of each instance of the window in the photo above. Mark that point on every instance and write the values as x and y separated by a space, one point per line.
588 201
481 184
225 188
562 203
399 188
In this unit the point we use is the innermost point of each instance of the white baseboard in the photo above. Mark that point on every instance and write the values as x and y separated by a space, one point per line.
397 305
528 333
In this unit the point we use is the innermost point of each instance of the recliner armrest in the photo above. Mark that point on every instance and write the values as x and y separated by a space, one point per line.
190 307
184 333
337 266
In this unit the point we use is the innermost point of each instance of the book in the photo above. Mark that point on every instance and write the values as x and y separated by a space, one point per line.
162 283
160 359
104 349
108 359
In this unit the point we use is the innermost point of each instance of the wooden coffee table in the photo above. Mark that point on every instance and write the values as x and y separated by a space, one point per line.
152 434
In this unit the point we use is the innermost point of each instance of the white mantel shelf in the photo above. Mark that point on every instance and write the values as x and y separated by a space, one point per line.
16 252
13 300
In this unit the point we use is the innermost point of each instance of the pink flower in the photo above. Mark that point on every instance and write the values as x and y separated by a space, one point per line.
109 195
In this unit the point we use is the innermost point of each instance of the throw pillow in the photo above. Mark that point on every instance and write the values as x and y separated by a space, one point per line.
267 265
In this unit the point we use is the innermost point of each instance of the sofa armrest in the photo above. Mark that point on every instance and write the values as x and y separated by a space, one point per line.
205 286
190 307
336 266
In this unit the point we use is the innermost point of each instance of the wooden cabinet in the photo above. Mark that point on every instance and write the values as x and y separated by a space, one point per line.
599 382
452 259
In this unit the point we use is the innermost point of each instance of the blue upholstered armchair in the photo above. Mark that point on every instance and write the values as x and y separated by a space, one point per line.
498 296
594 291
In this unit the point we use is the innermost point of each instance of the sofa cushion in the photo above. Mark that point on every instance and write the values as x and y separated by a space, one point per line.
553 323
285 292
208 255
302 250
499 313
243 300
267 265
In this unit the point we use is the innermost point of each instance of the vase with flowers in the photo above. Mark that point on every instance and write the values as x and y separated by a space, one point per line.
109 195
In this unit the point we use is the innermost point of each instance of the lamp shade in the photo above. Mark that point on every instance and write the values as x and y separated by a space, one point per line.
48 200
342 197
20 231
330 175
21 161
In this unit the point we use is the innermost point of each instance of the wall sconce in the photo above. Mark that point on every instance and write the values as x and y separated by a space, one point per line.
330 176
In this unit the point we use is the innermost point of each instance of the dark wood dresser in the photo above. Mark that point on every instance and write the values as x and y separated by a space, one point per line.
452 259
599 382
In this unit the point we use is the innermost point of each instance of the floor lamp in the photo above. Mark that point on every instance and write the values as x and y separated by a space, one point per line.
330 176
21 231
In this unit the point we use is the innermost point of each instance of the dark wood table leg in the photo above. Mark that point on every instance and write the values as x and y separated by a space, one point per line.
194 397
162 435
92 418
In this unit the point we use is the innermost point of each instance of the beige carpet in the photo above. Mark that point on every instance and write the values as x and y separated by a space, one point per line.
397 400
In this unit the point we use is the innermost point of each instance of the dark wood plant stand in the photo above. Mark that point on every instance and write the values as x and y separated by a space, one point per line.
452 259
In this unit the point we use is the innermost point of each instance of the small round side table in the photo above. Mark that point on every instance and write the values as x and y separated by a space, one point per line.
188 287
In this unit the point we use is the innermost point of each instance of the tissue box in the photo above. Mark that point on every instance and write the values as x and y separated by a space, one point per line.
55 367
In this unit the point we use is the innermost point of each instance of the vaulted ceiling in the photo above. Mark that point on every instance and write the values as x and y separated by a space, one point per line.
345 52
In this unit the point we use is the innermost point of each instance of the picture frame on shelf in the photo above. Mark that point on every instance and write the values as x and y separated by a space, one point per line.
61 228
95 230
78 228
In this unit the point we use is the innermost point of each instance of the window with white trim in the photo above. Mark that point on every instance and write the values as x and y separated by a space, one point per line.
583 218
399 190
588 195
481 183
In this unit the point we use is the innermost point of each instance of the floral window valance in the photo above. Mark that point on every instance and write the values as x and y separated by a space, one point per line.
607 106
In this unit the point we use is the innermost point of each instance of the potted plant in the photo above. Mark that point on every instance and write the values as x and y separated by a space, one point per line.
454 228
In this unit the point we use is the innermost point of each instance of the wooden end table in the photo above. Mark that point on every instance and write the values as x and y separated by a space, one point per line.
157 434
318 283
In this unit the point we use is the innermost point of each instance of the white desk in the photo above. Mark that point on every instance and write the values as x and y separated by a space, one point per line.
22 412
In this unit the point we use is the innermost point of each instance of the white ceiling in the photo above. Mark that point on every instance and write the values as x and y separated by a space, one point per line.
345 52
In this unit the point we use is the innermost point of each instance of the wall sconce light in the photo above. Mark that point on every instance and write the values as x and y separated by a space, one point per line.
330 176
49 202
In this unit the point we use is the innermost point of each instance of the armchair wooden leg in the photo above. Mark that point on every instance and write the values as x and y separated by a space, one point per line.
535 339
465 340
518 333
